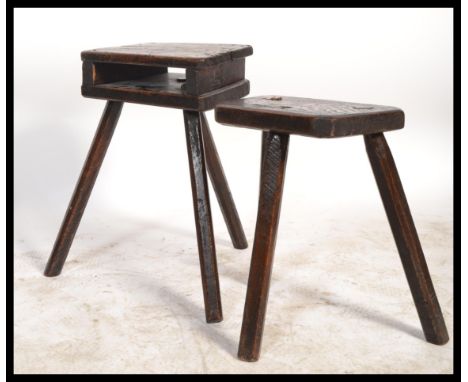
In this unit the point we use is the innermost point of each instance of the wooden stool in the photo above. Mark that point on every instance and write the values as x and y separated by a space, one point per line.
139 74
279 117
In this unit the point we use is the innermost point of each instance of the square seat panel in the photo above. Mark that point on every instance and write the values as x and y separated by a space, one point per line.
140 74
309 117
178 55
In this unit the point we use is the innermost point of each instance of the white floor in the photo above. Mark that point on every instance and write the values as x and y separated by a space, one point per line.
130 300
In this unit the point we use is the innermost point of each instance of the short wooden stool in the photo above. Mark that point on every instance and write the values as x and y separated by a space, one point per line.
139 74
279 117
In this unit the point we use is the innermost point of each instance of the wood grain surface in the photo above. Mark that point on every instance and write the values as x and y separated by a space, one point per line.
183 55
309 117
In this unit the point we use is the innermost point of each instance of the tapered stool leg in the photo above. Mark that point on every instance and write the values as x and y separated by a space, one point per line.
274 157
83 188
221 188
406 238
203 222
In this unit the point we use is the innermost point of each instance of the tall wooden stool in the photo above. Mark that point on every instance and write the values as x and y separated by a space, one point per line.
279 117
139 74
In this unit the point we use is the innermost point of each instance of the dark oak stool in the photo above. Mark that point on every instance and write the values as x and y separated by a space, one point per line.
279 117
139 74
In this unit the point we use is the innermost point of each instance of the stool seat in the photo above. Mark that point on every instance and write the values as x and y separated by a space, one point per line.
309 117
178 55
140 74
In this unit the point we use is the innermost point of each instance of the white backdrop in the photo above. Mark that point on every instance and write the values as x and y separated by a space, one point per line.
391 57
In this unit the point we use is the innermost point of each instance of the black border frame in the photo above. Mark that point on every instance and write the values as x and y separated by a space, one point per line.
455 5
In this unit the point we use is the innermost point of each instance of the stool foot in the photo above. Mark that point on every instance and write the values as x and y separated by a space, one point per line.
83 188
406 238
274 157
203 222
221 188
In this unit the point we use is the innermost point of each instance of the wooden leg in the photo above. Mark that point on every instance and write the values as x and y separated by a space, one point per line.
203 222
221 188
274 156
406 237
83 188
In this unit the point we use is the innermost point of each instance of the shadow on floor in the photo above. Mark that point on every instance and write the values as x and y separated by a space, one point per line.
182 306
210 331
364 313
38 259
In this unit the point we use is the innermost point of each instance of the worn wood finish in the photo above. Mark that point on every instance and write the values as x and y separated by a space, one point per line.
274 154
406 238
180 55
139 74
83 188
221 188
164 90
206 79
309 117
203 222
